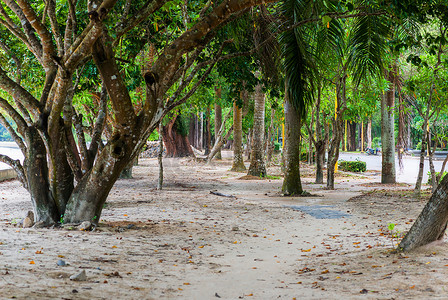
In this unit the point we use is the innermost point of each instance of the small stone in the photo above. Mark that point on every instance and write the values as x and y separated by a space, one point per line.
130 226
28 222
85 226
74 291
61 263
235 228
81 276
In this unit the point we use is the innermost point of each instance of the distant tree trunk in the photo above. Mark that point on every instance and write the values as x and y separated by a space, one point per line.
248 143
207 133
369 134
269 140
176 144
201 131
431 163
218 120
352 136
221 139
387 130
292 184
238 162
257 165
338 129
432 221
160 157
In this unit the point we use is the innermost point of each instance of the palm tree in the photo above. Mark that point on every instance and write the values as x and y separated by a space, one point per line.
257 164
238 161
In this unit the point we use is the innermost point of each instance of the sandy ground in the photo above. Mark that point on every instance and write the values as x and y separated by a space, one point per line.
183 242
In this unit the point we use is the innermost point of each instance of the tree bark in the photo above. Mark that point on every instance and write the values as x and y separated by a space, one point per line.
176 144
207 132
238 162
387 130
338 129
218 121
292 184
432 221
160 157
270 140
369 134
257 165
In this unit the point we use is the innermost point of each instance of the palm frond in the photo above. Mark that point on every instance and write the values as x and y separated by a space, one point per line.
368 46
298 63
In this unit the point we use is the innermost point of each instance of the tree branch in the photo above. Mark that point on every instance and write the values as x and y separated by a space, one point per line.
13 133
17 166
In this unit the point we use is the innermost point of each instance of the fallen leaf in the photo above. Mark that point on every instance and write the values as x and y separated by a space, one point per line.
186 283
306 250
114 246
32 262
39 252
325 272
411 287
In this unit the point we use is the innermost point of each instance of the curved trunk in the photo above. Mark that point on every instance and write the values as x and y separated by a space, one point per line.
238 163
89 196
270 141
388 132
257 166
432 221
292 184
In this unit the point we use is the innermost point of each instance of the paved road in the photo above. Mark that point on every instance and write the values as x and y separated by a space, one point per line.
410 165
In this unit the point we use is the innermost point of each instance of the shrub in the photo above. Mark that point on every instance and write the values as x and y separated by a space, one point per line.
437 174
277 146
352 166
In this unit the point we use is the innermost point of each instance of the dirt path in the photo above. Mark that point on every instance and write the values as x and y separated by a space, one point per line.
184 242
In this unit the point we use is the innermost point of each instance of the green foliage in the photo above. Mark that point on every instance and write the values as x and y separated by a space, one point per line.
352 166
437 174
376 142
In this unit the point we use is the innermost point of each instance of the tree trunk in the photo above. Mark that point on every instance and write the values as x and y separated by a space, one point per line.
431 163
176 144
320 159
292 184
238 162
221 139
218 122
369 134
418 184
160 157
207 132
35 165
338 129
387 131
257 165
432 221
269 140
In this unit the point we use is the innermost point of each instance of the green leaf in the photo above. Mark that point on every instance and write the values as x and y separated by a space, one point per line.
391 226
326 20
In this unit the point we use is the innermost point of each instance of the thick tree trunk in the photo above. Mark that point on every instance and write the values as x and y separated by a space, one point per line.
257 165
292 184
89 196
218 122
238 162
35 165
387 131
432 221
176 144
352 136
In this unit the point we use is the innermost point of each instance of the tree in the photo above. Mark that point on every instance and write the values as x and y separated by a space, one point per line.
257 164
238 161
52 162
